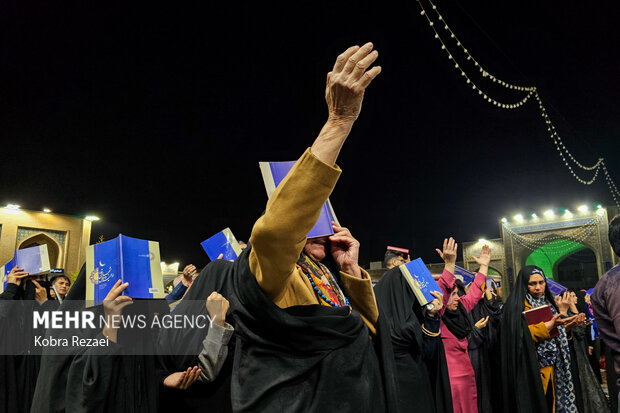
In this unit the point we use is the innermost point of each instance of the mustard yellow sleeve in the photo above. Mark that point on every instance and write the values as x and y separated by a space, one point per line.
539 332
279 236
362 298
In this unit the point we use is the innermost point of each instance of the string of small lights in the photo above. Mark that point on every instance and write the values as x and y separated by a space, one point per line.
534 243
563 151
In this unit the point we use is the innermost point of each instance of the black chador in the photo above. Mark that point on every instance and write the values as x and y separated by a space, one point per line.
420 362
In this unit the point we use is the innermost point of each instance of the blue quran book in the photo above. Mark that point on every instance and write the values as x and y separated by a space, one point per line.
491 284
274 172
555 287
33 260
467 275
131 260
420 280
223 242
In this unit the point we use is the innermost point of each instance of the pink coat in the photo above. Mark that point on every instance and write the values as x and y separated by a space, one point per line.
462 377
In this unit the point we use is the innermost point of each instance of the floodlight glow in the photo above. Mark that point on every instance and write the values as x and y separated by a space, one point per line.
568 213
518 218
47 210
481 240
549 213
534 216
583 208
599 206
91 218
504 220
11 209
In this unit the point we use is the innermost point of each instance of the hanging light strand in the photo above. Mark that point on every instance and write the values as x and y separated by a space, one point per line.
564 153
533 243
481 69
612 186
468 80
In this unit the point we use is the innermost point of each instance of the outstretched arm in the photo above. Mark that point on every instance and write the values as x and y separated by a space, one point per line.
474 294
447 279
278 237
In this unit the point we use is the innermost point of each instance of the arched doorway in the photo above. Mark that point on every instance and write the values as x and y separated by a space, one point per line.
53 248
551 253
578 270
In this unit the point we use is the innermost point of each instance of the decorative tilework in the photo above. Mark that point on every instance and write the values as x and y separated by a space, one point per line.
23 233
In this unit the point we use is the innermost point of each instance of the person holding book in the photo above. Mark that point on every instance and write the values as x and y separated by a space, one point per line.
419 355
182 284
456 326
18 372
394 259
303 331
535 358
483 349
210 350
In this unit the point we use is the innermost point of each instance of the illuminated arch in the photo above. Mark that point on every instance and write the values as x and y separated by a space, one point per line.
549 255
54 248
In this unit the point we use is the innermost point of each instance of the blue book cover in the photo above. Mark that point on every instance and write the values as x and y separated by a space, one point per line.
33 260
555 287
274 172
420 280
131 260
224 242
491 283
467 275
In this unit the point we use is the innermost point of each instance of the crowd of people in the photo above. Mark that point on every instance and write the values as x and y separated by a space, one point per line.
300 327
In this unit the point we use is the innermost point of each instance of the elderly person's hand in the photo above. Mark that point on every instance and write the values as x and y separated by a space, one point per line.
345 251
344 93
347 82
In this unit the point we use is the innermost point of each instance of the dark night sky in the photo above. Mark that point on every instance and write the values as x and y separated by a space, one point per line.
154 116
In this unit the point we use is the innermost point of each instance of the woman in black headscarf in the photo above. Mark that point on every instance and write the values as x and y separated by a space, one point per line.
420 361
97 379
536 368
19 365
594 399
483 348
181 349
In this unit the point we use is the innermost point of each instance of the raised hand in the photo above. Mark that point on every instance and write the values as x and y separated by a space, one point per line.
344 93
448 254
484 259
113 305
183 379
217 307
345 251
16 275
482 323
437 303
188 275
40 293
347 82
563 302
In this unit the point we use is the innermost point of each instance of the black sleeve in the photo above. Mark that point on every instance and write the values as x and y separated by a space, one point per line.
10 293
